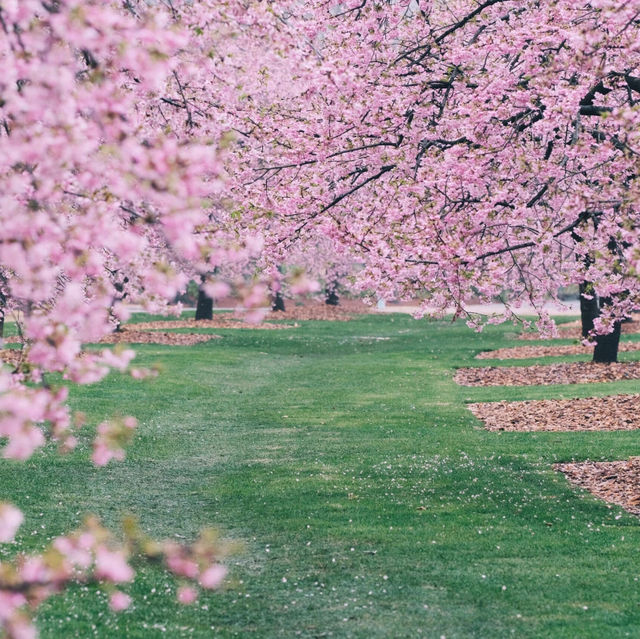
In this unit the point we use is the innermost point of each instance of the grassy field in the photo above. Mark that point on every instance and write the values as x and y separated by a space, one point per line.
370 501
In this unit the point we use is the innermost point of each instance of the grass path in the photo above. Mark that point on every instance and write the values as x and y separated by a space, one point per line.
370 501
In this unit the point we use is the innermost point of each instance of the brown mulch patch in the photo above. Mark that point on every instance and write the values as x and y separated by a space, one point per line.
129 336
617 482
526 352
572 330
616 412
221 320
321 311
157 337
307 311
572 373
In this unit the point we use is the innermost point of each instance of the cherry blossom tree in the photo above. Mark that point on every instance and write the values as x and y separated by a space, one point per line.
320 263
111 188
464 148
97 200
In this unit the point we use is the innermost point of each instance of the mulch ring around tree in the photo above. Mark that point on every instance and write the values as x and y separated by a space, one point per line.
323 313
616 412
566 373
572 330
313 310
527 352
617 482
157 337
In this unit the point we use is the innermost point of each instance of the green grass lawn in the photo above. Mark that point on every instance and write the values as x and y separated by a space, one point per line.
370 501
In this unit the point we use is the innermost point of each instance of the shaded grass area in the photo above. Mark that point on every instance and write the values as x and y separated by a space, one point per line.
370 500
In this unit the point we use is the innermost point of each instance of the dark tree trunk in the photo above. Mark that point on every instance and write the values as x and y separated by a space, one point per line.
204 307
331 297
3 308
278 302
606 349
119 286
589 309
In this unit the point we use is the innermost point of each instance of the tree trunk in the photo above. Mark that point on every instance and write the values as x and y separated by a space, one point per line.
119 286
331 297
278 302
3 307
204 307
606 349
589 309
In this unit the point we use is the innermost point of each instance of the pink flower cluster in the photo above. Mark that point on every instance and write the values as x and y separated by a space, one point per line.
460 150
105 196
93 555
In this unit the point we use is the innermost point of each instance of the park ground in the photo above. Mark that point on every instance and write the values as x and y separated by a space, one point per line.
368 500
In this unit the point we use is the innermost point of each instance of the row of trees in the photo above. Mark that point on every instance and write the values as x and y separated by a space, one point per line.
463 149
319 266
454 149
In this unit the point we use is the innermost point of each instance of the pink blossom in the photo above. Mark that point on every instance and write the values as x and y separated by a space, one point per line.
119 360
23 441
216 290
111 438
112 565
103 454
213 576
9 603
142 373
74 551
36 569
10 520
182 566
187 595
119 601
